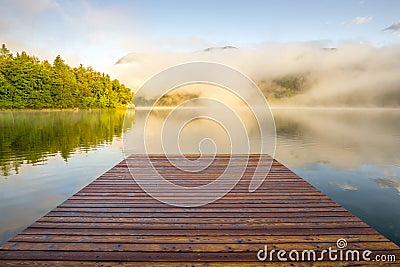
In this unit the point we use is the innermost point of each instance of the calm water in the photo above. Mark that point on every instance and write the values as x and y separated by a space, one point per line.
350 155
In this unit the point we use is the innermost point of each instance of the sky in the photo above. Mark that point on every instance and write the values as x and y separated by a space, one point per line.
98 33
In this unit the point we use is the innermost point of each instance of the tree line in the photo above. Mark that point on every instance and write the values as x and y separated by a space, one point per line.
27 82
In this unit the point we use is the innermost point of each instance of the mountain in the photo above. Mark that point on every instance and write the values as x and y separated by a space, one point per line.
218 48
129 58
139 57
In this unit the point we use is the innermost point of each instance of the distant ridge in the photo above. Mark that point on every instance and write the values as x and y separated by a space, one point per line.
136 57
219 48
130 57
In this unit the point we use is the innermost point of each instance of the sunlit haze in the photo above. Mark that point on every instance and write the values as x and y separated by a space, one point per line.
98 33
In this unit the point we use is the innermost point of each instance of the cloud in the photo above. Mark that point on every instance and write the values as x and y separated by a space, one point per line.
351 74
84 32
80 31
358 21
30 7
394 27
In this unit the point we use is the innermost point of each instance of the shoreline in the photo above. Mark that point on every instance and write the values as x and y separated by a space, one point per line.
65 109
333 108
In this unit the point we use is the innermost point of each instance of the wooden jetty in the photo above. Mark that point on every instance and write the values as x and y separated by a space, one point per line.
112 222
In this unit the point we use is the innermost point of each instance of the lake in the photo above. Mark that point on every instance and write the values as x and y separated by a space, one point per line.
352 155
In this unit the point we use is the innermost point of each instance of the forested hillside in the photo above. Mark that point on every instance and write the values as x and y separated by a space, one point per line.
274 91
27 82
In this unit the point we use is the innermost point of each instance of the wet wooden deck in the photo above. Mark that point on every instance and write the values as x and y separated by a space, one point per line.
113 222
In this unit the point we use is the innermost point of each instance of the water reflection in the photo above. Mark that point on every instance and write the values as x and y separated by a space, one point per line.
174 131
345 186
392 182
340 137
343 138
49 155
30 137
350 155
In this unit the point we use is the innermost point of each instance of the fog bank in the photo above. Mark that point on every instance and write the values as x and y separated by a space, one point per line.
352 74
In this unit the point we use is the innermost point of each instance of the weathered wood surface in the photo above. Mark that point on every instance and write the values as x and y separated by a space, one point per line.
113 222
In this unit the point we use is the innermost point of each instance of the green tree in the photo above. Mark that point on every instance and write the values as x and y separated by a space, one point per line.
62 87
6 92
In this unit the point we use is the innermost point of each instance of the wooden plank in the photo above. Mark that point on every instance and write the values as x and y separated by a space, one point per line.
139 256
229 220
193 239
185 264
133 232
113 222
173 247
